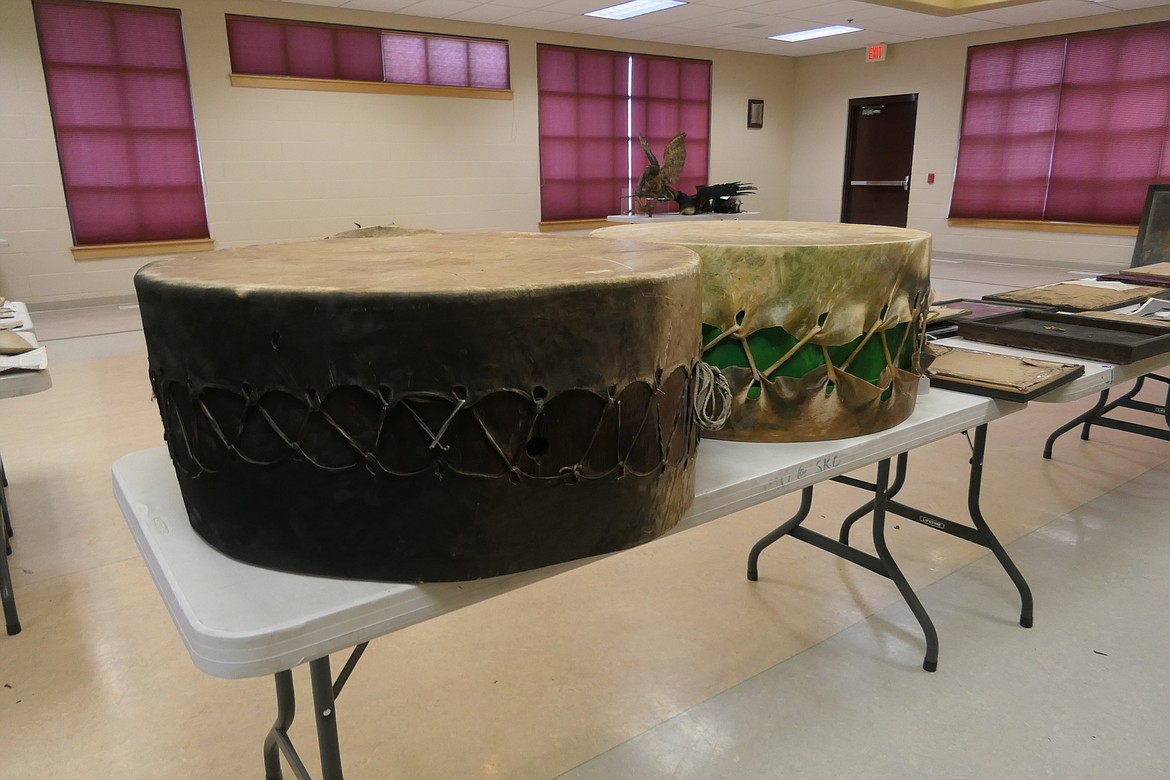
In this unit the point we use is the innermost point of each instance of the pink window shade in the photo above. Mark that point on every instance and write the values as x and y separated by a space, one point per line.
404 58
441 61
1070 129
488 64
1113 126
121 104
672 96
274 47
1009 122
584 149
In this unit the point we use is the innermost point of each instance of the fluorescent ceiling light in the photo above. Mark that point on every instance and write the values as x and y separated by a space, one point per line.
820 32
634 8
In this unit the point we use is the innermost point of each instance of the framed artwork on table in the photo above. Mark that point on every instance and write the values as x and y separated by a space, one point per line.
1153 238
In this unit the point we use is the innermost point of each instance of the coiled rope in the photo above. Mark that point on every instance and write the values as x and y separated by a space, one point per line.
712 397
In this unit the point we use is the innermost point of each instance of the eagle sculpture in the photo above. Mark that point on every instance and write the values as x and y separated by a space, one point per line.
714 198
657 181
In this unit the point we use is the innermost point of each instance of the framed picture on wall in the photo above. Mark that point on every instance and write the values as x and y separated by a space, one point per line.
1153 238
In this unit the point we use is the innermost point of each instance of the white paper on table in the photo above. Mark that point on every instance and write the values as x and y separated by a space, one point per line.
1103 285
35 360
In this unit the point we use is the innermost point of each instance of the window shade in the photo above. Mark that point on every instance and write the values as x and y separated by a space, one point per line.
669 97
121 104
593 106
584 151
281 47
1070 129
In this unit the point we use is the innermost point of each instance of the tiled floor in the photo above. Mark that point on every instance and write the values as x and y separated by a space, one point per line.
661 662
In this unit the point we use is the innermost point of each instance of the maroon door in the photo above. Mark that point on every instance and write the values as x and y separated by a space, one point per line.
879 147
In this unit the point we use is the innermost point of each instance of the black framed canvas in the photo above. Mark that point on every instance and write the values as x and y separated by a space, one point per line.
1153 238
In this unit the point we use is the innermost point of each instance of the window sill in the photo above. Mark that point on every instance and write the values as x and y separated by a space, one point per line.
1051 227
139 249
380 87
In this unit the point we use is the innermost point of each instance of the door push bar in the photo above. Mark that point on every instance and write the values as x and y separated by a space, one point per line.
903 183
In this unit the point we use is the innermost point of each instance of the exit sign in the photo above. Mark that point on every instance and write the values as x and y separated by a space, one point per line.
875 53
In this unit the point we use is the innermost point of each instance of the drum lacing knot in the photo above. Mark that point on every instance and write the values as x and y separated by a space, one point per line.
712 397
435 440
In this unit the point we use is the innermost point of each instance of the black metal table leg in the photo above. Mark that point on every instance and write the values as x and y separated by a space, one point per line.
326 714
883 562
1122 400
930 659
325 693
1078 420
863 510
1099 415
11 619
989 539
277 741
753 572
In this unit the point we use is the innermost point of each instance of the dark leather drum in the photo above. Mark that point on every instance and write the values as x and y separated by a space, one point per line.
430 407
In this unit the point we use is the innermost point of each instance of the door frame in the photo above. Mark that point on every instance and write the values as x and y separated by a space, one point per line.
909 97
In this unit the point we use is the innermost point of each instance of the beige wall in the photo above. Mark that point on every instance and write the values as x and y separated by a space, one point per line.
281 164
935 69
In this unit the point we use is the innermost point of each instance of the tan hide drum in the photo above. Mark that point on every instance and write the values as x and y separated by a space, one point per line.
428 407
817 326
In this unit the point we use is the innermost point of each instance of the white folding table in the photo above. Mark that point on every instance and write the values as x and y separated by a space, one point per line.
239 620
15 382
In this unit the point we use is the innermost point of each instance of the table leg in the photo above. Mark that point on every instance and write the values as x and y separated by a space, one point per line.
883 563
1123 400
981 534
753 572
326 714
930 659
7 597
866 508
1078 420
989 539
1098 415
11 619
277 741
7 531
325 693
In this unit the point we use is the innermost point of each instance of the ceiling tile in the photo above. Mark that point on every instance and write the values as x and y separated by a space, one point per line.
923 26
534 18
1044 11
719 21
439 9
486 13
386 6
842 10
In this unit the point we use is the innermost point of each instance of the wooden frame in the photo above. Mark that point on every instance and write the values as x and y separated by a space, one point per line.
755 117
1153 236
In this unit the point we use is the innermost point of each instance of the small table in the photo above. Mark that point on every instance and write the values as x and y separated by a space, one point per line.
637 219
243 621
15 382
1100 378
